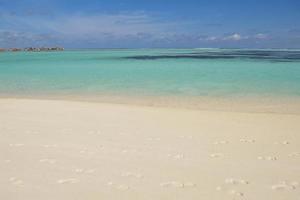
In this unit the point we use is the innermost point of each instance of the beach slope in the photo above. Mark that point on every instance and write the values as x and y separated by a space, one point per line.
54 149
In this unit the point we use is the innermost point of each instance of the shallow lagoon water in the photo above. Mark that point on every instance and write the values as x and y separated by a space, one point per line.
152 72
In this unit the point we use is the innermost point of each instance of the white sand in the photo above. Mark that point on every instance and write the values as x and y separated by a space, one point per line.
74 150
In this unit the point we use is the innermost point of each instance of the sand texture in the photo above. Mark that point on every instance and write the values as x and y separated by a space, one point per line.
55 149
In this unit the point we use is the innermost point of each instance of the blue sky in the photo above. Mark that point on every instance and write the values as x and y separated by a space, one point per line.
150 24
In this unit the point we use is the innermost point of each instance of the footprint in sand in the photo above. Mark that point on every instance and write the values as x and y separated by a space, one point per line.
123 187
235 193
186 137
269 158
236 181
154 139
133 175
216 155
86 171
16 181
247 140
294 154
221 142
282 143
49 145
178 184
285 185
176 156
68 181
125 151
119 187
229 182
47 160
86 151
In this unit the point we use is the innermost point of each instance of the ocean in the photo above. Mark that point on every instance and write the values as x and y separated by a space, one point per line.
152 73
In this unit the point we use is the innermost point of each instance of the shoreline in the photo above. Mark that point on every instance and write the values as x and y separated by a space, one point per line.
283 105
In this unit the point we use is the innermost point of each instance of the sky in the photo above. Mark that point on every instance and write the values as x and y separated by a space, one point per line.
150 23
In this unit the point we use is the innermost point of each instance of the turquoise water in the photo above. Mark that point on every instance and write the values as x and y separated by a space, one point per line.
155 72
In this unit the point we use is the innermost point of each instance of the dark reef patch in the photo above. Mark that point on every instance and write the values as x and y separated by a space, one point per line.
271 55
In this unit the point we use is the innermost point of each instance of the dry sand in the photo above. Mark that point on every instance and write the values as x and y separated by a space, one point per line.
78 150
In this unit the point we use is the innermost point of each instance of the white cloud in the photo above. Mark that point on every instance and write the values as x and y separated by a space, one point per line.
261 36
93 28
104 29
99 24
234 37
211 38
20 39
79 25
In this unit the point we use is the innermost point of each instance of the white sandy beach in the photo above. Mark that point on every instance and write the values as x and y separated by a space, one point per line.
56 149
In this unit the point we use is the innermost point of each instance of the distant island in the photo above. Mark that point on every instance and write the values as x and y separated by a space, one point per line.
35 49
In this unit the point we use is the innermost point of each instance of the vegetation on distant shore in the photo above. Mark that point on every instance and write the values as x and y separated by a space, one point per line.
36 49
